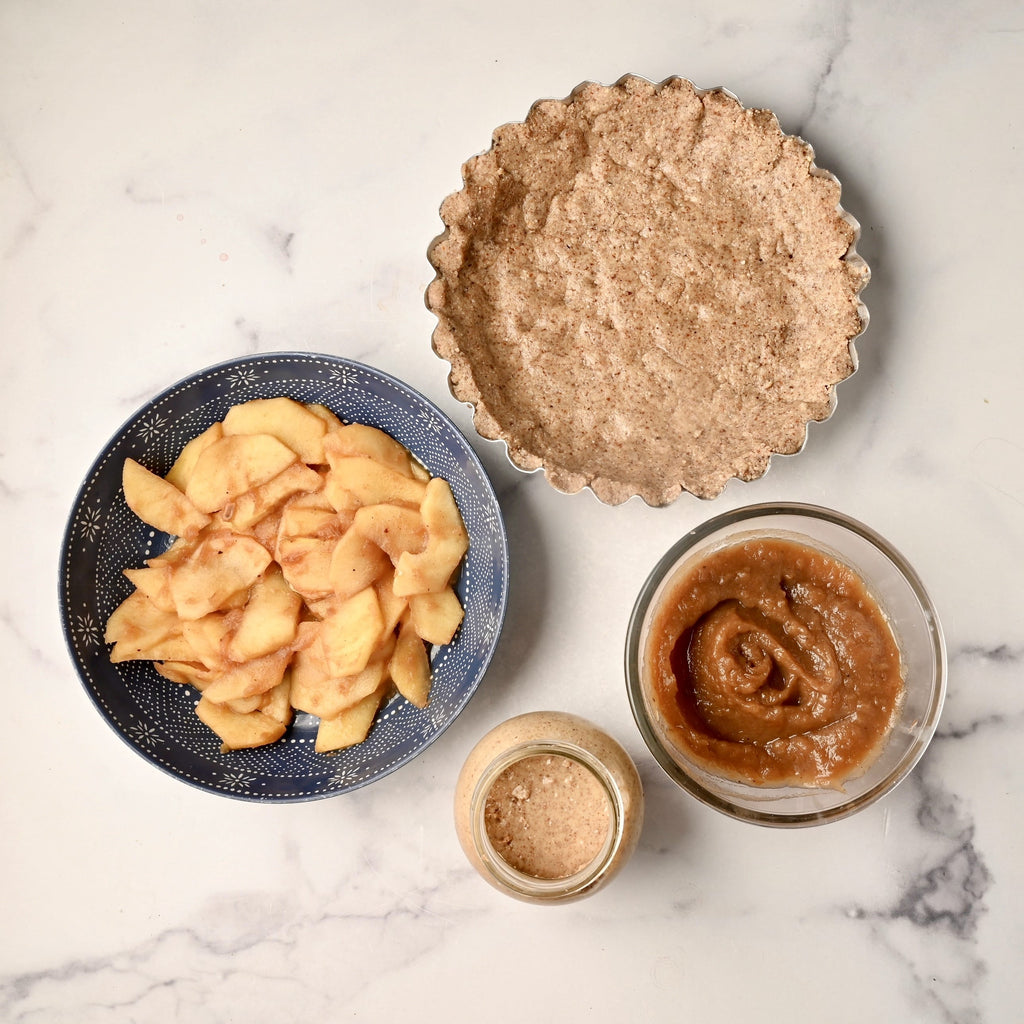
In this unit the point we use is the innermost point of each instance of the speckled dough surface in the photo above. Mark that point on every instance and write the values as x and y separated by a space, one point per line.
645 289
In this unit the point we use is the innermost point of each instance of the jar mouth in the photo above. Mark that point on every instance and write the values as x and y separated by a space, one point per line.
533 887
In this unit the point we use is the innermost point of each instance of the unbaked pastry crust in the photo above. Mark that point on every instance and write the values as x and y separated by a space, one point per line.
646 288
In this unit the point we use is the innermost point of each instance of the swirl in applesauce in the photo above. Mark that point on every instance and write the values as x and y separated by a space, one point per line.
772 664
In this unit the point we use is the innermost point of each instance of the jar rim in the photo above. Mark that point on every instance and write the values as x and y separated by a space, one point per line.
521 883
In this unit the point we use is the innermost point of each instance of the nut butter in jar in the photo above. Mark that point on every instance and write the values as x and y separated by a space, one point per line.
548 807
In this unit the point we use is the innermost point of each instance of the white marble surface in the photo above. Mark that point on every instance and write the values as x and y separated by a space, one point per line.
185 182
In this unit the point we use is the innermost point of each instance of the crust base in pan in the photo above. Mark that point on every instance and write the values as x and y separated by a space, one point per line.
645 289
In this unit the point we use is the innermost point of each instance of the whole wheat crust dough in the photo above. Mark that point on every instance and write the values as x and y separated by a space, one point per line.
646 288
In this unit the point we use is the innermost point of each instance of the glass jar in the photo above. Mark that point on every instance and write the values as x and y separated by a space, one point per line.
548 807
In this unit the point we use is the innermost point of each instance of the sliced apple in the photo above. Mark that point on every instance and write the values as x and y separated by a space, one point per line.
269 619
431 570
239 731
221 566
252 507
392 528
249 679
351 632
355 564
316 690
410 667
155 582
289 421
436 617
306 564
210 635
180 473
137 619
355 480
276 702
234 464
321 410
359 439
158 503
350 727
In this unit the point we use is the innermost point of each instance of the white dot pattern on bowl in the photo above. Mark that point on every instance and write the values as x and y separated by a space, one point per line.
157 717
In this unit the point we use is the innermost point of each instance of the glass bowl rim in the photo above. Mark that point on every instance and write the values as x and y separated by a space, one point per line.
675 554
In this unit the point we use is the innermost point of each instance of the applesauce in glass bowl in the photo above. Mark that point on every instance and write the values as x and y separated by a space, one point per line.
785 664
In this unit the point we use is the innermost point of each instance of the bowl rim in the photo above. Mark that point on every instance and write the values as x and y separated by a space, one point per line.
65 573
675 554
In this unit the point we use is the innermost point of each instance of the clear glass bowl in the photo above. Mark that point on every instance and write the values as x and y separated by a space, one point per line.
901 596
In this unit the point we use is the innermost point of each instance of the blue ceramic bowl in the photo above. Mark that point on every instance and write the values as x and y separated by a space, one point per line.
156 717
